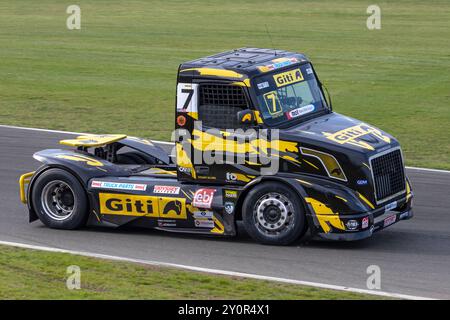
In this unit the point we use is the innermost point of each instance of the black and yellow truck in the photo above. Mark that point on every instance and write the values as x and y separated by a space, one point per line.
335 177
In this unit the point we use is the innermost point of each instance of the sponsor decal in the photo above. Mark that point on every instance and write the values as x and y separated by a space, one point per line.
309 71
361 182
351 135
263 85
118 185
203 223
140 206
231 176
238 177
288 77
181 120
365 223
229 207
203 198
231 194
390 206
166 189
206 177
300 111
203 214
184 170
172 208
278 63
389 220
167 223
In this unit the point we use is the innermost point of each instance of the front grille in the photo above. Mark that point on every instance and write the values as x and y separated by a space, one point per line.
388 174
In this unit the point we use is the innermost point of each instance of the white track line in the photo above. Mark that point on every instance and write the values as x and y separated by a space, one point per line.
63 132
166 142
39 129
428 170
215 271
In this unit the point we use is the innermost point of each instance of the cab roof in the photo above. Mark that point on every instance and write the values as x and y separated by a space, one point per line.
240 63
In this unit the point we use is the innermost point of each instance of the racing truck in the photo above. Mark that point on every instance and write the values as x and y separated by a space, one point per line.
335 178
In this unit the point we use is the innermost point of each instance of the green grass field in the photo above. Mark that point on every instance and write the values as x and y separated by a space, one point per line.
117 74
29 274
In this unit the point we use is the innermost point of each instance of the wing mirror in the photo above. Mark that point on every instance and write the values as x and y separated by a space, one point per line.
246 116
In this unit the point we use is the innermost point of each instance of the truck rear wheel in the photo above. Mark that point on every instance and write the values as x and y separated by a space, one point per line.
273 214
59 200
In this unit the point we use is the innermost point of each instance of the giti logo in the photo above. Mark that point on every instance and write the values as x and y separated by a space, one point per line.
350 136
128 205
172 207
140 206
288 77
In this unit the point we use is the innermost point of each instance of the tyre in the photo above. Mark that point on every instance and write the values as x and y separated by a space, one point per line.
273 214
59 200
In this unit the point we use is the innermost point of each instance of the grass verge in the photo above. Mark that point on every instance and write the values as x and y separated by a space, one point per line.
117 74
31 274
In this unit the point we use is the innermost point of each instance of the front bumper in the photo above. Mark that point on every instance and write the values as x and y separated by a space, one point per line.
24 180
375 224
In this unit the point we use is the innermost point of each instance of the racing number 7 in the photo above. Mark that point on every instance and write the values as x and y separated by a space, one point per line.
190 93
187 97
272 102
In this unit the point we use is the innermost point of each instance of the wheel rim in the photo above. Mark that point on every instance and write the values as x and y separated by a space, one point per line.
58 200
273 214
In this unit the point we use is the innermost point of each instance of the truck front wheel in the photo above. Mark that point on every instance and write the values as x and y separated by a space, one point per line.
273 214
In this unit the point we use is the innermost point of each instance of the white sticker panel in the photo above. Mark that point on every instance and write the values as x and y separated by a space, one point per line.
187 97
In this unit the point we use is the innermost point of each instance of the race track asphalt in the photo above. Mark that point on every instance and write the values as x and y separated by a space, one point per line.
414 255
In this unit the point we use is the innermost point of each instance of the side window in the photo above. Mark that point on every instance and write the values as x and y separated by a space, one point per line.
219 104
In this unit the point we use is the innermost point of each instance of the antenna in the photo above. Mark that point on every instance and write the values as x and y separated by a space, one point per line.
270 37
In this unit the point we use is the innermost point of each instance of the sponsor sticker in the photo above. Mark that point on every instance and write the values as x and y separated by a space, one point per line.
309 70
167 223
231 176
263 85
118 186
184 170
203 198
139 206
181 120
289 77
361 182
278 63
166 189
351 136
365 223
389 220
203 214
229 207
390 206
200 223
300 111
231 194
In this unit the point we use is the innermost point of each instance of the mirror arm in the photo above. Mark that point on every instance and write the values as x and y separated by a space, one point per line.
328 96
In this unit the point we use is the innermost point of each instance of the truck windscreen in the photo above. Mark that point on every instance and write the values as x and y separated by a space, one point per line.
288 95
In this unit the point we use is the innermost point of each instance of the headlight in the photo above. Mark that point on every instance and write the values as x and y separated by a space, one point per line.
352 224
